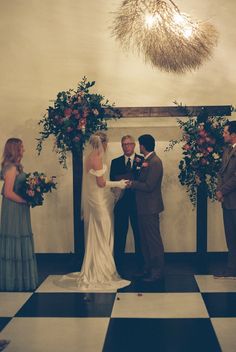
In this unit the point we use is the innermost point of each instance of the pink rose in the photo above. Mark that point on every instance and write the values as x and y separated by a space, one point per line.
187 147
210 149
30 193
204 161
67 112
200 141
202 133
85 113
82 124
76 139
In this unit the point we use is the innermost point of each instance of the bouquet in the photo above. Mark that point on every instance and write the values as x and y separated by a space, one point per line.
202 145
75 116
35 186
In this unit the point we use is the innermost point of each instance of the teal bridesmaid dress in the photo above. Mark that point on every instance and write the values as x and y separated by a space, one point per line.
18 267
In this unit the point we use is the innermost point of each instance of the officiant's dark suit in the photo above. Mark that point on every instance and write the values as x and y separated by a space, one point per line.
125 208
226 193
149 205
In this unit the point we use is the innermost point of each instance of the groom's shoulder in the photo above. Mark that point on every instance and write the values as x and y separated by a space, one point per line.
155 158
139 156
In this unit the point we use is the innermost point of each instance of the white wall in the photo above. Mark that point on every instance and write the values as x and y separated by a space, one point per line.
49 45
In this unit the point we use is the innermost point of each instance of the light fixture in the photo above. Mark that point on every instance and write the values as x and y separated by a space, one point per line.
166 37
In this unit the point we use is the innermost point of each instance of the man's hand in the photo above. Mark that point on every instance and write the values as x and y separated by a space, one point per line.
219 196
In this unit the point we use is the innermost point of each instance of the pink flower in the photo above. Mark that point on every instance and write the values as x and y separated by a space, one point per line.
67 112
187 147
30 193
82 124
210 149
76 139
75 111
85 113
201 141
69 129
202 133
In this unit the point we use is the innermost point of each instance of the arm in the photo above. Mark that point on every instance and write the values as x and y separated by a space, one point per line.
102 182
112 171
150 183
230 185
9 180
97 165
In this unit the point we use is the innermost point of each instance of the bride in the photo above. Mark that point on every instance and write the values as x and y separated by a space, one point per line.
98 272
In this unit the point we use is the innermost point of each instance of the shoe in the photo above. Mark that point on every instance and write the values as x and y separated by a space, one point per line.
225 274
3 344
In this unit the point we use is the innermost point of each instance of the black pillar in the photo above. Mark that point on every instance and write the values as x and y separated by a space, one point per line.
77 163
202 220
202 212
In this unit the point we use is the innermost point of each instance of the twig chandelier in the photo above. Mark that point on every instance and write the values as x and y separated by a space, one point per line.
167 38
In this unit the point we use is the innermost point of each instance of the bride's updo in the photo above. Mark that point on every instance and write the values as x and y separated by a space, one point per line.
97 139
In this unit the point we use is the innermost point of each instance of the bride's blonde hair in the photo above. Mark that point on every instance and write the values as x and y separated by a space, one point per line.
96 141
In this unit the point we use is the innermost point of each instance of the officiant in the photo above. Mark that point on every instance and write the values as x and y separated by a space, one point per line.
127 166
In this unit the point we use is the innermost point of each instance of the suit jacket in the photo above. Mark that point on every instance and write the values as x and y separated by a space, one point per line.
118 171
227 178
148 186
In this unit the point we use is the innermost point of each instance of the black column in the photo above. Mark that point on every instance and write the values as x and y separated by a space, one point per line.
202 212
77 162
202 222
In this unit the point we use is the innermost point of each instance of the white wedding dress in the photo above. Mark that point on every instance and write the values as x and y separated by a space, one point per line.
98 272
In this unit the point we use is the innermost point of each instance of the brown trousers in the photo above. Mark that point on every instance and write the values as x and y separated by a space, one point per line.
229 216
151 244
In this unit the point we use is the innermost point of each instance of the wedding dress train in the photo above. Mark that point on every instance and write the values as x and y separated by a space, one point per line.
98 272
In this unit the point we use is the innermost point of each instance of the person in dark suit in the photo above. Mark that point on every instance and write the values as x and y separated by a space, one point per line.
127 167
149 205
226 194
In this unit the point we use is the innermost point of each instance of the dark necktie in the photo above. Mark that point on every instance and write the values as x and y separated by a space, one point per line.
128 164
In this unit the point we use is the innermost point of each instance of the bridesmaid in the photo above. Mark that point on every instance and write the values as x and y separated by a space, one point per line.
18 268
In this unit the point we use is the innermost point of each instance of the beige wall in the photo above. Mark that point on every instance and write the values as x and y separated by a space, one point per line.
49 45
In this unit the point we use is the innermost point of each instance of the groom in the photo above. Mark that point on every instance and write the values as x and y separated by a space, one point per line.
126 166
149 205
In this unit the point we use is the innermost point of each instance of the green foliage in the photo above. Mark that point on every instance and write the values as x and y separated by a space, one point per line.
76 115
202 144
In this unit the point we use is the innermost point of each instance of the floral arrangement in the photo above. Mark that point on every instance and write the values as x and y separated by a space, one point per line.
203 144
75 116
35 186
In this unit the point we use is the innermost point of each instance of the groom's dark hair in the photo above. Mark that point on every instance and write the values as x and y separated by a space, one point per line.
147 141
231 126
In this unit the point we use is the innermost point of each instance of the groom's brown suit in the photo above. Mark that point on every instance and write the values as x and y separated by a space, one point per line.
149 205
227 185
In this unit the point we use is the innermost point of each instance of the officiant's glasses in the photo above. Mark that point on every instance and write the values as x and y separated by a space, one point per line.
127 144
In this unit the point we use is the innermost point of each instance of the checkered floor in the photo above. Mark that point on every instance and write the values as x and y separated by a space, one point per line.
185 312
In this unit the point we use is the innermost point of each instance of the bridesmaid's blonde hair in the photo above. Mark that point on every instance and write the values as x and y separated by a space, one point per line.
11 153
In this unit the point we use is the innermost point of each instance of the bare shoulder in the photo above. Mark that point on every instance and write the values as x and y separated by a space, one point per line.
9 169
96 163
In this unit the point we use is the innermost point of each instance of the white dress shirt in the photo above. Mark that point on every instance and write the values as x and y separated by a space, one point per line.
131 157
